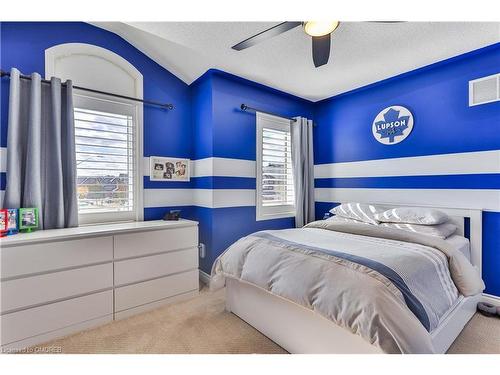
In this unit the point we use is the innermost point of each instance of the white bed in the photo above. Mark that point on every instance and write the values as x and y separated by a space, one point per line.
301 330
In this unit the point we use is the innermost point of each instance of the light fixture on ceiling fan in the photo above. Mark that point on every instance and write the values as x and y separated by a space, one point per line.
320 28
319 31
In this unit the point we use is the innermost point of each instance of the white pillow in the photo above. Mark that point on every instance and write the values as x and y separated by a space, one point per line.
413 215
358 211
440 230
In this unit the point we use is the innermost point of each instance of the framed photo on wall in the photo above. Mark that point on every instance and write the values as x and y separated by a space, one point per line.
168 169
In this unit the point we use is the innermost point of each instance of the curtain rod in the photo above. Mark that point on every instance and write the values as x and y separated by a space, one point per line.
150 102
245 107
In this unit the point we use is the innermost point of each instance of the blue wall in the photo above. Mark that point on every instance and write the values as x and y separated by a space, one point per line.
224 131
207 123
205 114
437 95
166 133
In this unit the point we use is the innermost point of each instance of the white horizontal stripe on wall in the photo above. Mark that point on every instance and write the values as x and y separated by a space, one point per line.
210 198
445 164
233 198
457 198
224 167
168 197
3 159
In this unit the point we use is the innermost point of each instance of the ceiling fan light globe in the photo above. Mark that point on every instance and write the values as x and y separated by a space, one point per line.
320 28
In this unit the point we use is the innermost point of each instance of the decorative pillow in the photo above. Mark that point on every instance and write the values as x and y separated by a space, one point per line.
358 211
440 230
412 215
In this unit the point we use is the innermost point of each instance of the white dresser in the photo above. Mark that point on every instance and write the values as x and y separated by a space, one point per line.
60 281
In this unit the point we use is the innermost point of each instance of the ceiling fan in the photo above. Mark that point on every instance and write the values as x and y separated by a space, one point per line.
320 31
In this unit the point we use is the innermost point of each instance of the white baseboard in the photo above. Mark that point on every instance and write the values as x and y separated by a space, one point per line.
494 300
205 277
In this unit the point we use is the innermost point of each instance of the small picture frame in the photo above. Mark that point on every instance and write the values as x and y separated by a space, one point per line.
169 169
3 223
28 219
12 221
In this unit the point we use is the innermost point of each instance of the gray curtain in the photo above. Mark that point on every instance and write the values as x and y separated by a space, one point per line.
41 165
303 170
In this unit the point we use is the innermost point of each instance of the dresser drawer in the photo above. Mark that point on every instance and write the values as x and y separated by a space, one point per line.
149 291
42 257
155 241
31 322
34 290
138 269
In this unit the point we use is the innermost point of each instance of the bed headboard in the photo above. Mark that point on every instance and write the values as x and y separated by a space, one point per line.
469 223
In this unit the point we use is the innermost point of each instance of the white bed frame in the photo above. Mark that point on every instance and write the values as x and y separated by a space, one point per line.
300 330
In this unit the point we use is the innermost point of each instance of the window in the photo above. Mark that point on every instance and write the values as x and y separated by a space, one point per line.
484 90
275 191
107 162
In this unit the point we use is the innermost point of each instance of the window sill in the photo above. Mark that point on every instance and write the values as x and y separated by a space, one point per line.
282 215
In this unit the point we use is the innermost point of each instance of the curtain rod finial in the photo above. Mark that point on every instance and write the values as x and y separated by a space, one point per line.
243 107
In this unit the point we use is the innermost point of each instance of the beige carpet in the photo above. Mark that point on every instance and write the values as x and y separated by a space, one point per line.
201 325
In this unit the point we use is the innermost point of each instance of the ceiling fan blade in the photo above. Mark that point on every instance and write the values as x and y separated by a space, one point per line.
266 34
321 49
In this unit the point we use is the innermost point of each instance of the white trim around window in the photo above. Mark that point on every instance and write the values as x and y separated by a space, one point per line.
95 67
274 184
132 111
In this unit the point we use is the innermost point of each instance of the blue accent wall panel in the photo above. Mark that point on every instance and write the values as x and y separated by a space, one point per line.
201 109
222 130
491 252
321 208
205 182
3 180
437 96
234 130
166 133
231 223
465 181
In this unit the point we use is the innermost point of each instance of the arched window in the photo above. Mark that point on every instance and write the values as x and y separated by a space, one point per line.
108 130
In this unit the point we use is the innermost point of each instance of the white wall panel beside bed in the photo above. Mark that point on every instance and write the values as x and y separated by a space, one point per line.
222 167
445 164
482 199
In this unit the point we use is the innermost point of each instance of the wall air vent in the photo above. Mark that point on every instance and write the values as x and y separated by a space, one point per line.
484 90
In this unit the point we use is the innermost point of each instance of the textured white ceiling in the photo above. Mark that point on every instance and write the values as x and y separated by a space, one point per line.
362 52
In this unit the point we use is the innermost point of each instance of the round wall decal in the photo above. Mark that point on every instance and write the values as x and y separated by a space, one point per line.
392 125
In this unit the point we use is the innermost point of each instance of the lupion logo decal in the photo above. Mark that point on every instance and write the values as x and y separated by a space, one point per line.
392 125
